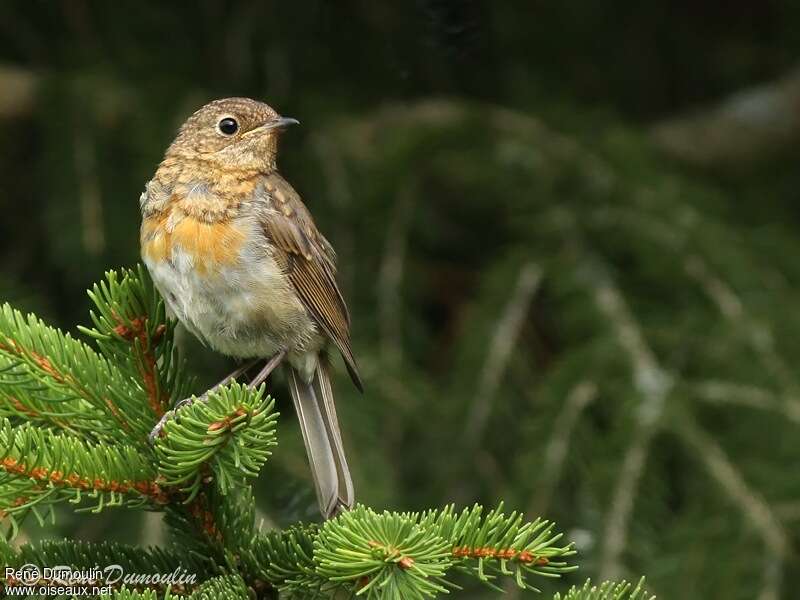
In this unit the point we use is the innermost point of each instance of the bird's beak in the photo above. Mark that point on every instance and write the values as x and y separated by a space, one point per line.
279 123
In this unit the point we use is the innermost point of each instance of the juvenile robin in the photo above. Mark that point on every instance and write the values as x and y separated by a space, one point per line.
239 261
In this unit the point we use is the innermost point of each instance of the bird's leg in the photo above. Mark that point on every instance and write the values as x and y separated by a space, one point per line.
238 372
234 375
269 367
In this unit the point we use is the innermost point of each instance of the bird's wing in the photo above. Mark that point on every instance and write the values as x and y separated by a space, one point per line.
310 263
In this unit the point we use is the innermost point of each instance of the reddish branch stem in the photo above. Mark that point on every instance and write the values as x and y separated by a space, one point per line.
75 481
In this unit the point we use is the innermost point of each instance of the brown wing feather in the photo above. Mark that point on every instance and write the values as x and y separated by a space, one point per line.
310 262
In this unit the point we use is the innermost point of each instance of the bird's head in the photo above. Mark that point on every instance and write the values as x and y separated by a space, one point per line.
233 132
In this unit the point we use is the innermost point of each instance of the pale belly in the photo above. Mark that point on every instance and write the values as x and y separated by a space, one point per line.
245 307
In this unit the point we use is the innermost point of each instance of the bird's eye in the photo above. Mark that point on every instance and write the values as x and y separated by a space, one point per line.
228 126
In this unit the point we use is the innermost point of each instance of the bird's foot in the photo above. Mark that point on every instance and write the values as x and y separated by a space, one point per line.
269 366
170 414
156 432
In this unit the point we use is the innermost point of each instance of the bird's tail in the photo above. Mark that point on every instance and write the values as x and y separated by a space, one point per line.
316 412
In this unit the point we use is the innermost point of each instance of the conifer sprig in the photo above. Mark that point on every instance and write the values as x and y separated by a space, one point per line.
285 558
85 555
500 544
57 369
384 555
24 399
38 467
131 328
228 435
608 590
406 555
75 429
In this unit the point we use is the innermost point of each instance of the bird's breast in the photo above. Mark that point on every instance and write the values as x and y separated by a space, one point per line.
221 281
211 247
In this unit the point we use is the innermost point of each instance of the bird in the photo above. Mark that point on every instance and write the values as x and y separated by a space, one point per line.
239 261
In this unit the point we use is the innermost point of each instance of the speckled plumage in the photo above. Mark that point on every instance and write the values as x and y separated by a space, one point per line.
233 249
239 261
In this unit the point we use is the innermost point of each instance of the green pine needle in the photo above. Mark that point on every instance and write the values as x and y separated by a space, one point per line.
38 466
40 357
608 590
82 555
499 544
131 328
73 426
230 587
226 438
385 555
286 560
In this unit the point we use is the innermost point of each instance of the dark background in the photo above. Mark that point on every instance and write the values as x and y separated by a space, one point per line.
567 233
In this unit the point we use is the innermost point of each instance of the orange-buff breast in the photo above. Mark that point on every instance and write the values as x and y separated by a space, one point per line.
211 245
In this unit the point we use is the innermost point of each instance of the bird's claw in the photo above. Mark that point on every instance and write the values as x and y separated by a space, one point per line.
156 432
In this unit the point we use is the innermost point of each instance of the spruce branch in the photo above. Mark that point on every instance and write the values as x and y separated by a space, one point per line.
608 590
83 555
227 587
24 400
198 472
406 555
382 555
235 515
130 566
38 356
131 328
500 544
215 526
230 587
226 439
286 560
195 526
38 466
